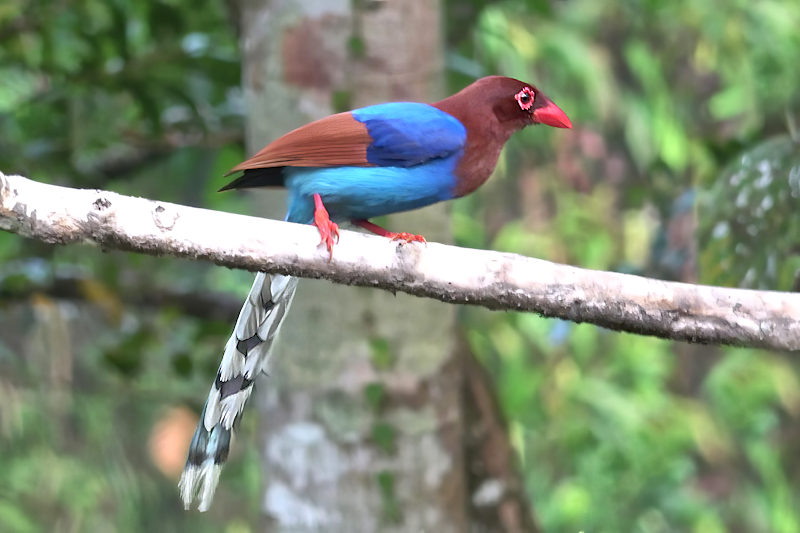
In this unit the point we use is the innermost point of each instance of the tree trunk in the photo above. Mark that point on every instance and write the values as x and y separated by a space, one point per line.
361 419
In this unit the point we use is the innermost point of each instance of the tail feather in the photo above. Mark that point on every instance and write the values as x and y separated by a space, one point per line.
246 355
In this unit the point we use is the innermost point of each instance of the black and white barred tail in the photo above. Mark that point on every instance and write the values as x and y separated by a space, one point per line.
246 356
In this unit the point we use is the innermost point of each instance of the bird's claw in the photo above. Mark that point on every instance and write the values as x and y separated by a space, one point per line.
328 230
407 237
329 237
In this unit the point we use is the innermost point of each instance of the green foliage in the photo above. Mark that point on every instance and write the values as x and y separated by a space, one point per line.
78 452
755 197
617 432
384 436
381 354
375 395
392 513
97 85
674 85
135 97
672 101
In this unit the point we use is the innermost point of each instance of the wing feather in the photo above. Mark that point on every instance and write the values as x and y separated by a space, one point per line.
337 140
402 134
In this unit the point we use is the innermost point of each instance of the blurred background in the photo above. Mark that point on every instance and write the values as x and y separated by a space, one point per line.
684 164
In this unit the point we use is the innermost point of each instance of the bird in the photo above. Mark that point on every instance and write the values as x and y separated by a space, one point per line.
351 167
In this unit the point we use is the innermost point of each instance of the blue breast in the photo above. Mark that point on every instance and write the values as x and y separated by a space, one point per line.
364 192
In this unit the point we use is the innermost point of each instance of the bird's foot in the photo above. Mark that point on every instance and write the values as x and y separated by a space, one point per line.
377 230
328 230
407 237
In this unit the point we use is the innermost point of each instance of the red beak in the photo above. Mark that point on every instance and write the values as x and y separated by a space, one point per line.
551 115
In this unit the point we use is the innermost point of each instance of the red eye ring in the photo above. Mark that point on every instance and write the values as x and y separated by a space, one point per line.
525 98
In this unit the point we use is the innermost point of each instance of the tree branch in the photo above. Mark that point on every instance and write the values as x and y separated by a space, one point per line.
696 313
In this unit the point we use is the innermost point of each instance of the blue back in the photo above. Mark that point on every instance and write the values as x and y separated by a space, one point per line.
406 134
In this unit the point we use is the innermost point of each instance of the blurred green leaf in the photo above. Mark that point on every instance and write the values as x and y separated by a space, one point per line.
748 234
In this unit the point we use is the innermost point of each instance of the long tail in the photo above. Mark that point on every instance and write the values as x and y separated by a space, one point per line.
246 355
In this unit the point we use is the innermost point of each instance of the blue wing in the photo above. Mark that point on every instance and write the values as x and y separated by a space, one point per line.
405 134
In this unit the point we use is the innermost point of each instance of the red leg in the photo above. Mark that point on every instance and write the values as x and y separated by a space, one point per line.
377 230
327 229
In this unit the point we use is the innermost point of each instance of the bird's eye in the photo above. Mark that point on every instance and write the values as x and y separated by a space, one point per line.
525 98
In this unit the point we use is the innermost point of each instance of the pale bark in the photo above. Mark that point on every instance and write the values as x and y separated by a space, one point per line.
699 313
324 469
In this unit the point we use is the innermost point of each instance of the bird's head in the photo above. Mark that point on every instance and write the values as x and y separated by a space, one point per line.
514 103
519 102
491 110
